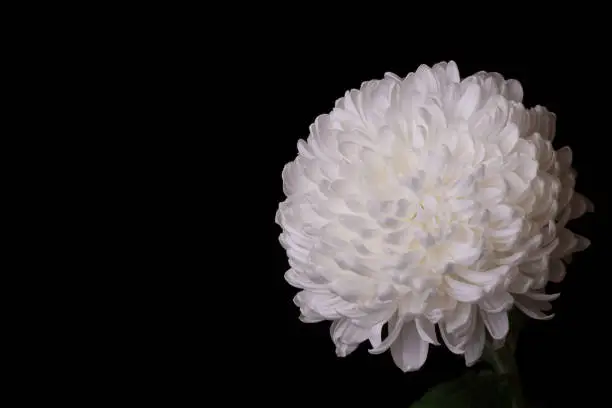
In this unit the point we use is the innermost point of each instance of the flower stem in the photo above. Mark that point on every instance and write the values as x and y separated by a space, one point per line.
504 364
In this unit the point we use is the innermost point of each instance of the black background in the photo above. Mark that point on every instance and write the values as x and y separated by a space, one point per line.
561 361
279 70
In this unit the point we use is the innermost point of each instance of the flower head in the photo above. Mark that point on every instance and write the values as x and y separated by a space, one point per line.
425 201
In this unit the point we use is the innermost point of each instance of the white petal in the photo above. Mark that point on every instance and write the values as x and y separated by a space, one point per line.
343 350
496 323
496 302
564 156
533 308
543 296
469 101
521 283
475 347
579 205
375 316
302 281
482 278
319 144
427 330
308 315
426 78
457 340
582 244
459 317
567 242
323 304
409 351
291 178
394 327
508 138
347 289
545 122
350 151
392 76
375 336
462 291
439 71
304 149
514 90
452 72
557 270
347 336
342 330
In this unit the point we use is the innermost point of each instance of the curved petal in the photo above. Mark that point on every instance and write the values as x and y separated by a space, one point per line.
496 323
543 296
462 291
457 340
409 351
427 330
496 302
475 346
557 270
347 336
343 350
394 325
533 308
376 335
302 281
459 317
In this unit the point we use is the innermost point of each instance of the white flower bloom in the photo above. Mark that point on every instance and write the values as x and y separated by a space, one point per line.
428 201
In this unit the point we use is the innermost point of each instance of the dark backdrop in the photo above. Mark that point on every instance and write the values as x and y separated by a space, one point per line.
562 360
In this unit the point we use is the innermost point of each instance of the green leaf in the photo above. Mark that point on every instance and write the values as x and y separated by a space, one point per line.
468 391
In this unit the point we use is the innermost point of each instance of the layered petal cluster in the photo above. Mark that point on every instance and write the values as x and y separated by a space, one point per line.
428 201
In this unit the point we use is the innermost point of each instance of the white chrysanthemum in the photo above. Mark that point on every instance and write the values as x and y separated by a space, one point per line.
428 200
